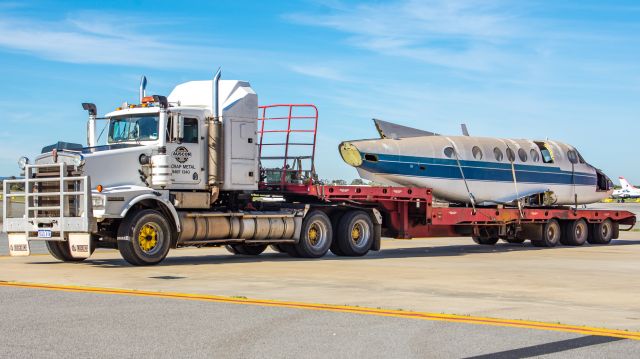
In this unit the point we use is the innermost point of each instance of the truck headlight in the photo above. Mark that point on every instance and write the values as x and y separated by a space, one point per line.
97 201
23 162
78 160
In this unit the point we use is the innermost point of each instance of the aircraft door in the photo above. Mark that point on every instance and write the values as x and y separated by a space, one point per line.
186 153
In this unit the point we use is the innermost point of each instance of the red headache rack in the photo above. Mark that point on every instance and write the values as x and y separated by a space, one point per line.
287 146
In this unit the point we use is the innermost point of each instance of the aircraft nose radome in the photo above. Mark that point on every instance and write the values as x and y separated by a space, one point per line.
350 154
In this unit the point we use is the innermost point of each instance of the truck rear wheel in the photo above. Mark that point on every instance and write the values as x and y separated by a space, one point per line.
60 251
601 233
355 234
144 238
549 236
246 250
575 233
315 237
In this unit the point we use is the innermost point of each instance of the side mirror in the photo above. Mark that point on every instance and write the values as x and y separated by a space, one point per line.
177 130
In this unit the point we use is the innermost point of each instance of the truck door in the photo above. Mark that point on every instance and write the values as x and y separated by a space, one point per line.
186 158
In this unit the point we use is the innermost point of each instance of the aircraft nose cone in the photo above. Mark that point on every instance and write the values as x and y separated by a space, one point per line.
350 154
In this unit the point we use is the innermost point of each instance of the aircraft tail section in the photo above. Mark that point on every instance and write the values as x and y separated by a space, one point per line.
625 184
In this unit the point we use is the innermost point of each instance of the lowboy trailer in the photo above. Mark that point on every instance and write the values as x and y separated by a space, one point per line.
206 166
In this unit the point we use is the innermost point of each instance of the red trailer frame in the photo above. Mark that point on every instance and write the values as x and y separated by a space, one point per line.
408 212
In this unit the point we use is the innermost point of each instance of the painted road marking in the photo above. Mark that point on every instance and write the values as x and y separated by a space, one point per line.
339 308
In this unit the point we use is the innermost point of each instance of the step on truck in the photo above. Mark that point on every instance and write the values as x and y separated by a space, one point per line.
207 166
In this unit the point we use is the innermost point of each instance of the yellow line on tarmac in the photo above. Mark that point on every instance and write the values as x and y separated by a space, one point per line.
339 308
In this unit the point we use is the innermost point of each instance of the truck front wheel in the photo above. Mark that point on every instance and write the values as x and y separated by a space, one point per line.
60 251
144 238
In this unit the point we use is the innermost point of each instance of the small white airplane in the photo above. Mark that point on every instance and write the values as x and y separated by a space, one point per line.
627 190
477 170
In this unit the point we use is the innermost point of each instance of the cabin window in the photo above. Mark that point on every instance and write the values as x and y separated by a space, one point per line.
535 157
522 154
510 155
477 153
572 156
449 151
547 155
371 157
498 154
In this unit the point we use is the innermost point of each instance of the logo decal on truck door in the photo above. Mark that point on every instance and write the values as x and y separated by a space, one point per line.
181 154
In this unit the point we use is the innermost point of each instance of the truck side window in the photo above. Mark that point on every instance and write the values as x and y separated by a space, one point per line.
190 130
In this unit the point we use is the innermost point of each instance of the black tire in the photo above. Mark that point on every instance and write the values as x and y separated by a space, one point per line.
550 234
355 234
485 241
601 233
316 235
246 250
335 223
575 233
60 251
615 230
144 237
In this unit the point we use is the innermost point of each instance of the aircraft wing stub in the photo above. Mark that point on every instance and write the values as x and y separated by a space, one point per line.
393 131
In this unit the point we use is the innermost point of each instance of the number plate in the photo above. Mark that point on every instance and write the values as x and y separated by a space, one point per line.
44 233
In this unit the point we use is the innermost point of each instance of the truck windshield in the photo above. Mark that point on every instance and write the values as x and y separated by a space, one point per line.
140 128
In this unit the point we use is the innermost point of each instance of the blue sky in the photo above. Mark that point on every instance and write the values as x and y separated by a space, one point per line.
565 70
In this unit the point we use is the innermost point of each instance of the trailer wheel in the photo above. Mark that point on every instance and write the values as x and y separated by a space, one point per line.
315 237
575 233
144 238
60 251
601 233
485 241
355 234
550 235
335 223
246 250
615 231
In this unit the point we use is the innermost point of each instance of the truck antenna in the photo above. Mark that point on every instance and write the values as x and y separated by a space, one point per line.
143 87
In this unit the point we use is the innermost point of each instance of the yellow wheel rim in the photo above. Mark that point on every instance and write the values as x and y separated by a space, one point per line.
313 235
356 232
148 238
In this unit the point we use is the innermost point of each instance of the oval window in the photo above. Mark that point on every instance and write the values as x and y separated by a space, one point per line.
571 155
449 151
535 157
510 155
523 155
498 154
477 153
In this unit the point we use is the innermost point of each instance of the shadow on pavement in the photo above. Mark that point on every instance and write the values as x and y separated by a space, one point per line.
415 252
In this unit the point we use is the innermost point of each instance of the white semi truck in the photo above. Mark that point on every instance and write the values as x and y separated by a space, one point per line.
191 169
181 170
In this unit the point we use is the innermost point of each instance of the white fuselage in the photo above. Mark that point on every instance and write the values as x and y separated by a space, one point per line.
490 170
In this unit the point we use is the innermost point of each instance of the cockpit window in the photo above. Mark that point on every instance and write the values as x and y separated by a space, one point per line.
572 156
139 128
535 157
545 151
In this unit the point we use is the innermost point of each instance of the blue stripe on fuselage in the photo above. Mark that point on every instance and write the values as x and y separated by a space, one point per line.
474 170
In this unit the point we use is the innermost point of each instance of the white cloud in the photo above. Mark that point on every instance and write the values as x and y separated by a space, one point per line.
319 71
468 35
98 38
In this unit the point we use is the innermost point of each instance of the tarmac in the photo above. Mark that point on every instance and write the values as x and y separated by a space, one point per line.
562 287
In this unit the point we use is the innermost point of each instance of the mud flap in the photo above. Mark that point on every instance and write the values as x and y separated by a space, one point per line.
80 245
19 245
